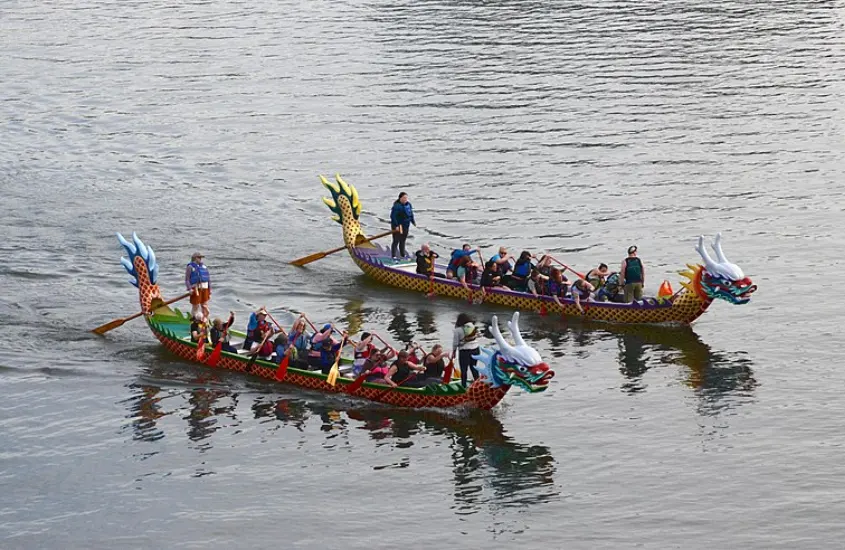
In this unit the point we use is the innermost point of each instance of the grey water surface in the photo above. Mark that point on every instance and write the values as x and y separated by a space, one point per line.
577 128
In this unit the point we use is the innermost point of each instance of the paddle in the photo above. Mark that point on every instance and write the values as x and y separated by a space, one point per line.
282 371
320 255
447 372
119 322
580 275
335 370
201 348
277 324
252 359
214 358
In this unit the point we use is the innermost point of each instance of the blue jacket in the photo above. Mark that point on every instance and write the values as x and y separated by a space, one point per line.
402 214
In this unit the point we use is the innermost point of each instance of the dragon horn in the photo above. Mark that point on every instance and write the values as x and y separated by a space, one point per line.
513 325
504 347
709 264
717 248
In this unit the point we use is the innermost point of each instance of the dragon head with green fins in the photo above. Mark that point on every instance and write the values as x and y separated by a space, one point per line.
719 278
346 207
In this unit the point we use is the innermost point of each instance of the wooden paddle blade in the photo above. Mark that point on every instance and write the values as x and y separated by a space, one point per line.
447 372
102 329
308 259
282 371
356 385
332 377
214 358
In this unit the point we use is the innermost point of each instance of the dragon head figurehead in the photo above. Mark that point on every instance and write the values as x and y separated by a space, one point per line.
509 365
346 208
718 278
143 270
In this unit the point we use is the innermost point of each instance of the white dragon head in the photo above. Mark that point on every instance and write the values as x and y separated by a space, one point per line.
721 278
519 365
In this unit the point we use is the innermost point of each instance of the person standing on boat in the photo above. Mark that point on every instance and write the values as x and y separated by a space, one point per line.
632 275
465 345
198 281
401 218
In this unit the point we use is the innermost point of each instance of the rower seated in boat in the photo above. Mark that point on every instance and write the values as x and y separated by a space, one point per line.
375 367
323 349
425 261
404 373
581 291
518 280
435 363
491 277
557 285
281 345
452 268
611 290
537 283
198 328
299 339
253 332
220 331
597 276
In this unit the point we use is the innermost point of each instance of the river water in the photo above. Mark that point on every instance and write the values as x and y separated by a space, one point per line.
546 125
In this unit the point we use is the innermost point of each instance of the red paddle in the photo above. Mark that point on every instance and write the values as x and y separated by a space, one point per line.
447 372
214 358
282 371
201 348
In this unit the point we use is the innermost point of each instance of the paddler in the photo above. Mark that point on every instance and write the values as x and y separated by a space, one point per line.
198 281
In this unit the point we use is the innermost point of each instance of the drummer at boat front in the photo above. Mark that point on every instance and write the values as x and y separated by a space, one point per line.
198 281
401 218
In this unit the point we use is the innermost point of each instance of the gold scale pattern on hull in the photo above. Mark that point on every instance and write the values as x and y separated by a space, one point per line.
683 308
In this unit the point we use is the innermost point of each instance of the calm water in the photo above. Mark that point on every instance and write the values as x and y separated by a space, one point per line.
548 125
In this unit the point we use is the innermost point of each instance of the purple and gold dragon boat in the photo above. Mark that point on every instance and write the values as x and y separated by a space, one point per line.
501 368
717 279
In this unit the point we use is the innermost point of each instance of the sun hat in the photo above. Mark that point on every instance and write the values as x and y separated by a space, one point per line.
261 311
632 249
326 327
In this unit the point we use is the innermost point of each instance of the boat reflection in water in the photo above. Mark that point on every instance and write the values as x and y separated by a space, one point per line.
713 375
489 468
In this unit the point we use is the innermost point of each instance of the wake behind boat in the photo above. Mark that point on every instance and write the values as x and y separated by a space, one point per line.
500 368
716 279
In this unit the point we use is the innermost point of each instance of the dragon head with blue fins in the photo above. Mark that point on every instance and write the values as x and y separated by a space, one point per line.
519 365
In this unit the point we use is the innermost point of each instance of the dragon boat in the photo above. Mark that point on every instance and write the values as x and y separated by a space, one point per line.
500 368
717 279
